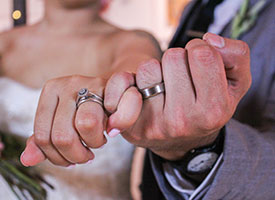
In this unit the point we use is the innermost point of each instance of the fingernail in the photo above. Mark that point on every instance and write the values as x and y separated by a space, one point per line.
114 132
89 162
22 159
71 166
214 40
22 154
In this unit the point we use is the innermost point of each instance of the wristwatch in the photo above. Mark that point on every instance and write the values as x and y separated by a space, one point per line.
197 163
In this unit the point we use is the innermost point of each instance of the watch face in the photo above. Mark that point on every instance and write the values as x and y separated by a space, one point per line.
202 162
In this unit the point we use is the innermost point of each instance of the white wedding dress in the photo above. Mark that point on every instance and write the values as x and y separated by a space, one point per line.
107 177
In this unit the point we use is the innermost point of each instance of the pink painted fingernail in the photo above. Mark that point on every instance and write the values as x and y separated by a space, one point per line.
71 166
114 132
22 159
90 161
214 40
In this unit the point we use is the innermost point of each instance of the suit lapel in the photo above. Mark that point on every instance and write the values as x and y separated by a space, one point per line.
187 13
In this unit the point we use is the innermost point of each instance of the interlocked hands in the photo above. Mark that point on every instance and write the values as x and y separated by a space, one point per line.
203 85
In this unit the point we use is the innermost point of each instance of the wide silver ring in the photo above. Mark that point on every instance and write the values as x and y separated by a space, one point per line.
153 90
84 95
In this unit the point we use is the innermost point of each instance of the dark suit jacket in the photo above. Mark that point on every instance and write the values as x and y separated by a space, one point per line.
248 168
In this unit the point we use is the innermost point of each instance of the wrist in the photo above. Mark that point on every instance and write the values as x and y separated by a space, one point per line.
198 162
173 154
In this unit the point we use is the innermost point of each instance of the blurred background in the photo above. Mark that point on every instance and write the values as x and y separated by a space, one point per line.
159 17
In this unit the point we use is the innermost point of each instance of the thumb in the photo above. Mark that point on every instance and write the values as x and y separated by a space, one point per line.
236 58
32 155
127 113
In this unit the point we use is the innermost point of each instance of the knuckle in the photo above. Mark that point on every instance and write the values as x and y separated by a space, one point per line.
72 80
214 119
153 62
172 52
61 140
75 78
208 124
193 43
172 56
121 81
41 138
109 105
148 67
60 162
86 122
49 85
115 88
97 141
176 127
204 54
153 132
133 139
243 48
148 73
133 91
99 81
126 79
98 85
82 161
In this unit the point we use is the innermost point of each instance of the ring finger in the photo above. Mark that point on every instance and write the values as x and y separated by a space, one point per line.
64 135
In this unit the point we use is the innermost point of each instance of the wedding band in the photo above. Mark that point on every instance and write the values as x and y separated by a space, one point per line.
84 95
152 91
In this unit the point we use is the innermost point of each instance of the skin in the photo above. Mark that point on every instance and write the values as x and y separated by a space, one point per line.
71 41
204 83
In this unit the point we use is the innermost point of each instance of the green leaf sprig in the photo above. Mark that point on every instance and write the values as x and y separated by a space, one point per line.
246 18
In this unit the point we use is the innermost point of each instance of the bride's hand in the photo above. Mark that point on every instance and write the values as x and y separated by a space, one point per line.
59 131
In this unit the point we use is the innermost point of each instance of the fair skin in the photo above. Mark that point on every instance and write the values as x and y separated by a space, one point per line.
204 83
71 40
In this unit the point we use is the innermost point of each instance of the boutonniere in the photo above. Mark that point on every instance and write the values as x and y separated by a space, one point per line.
246 18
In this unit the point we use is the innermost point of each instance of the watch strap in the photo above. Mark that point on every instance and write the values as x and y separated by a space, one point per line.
181 165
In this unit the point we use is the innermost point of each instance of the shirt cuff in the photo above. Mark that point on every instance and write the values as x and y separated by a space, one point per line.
184 187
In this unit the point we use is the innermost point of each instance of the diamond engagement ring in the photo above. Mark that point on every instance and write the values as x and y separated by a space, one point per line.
152 91
84 95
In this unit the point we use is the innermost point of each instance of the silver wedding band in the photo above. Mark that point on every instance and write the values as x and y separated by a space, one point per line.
84 95
152 91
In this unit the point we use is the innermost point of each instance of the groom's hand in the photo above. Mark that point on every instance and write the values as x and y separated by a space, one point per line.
203 85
